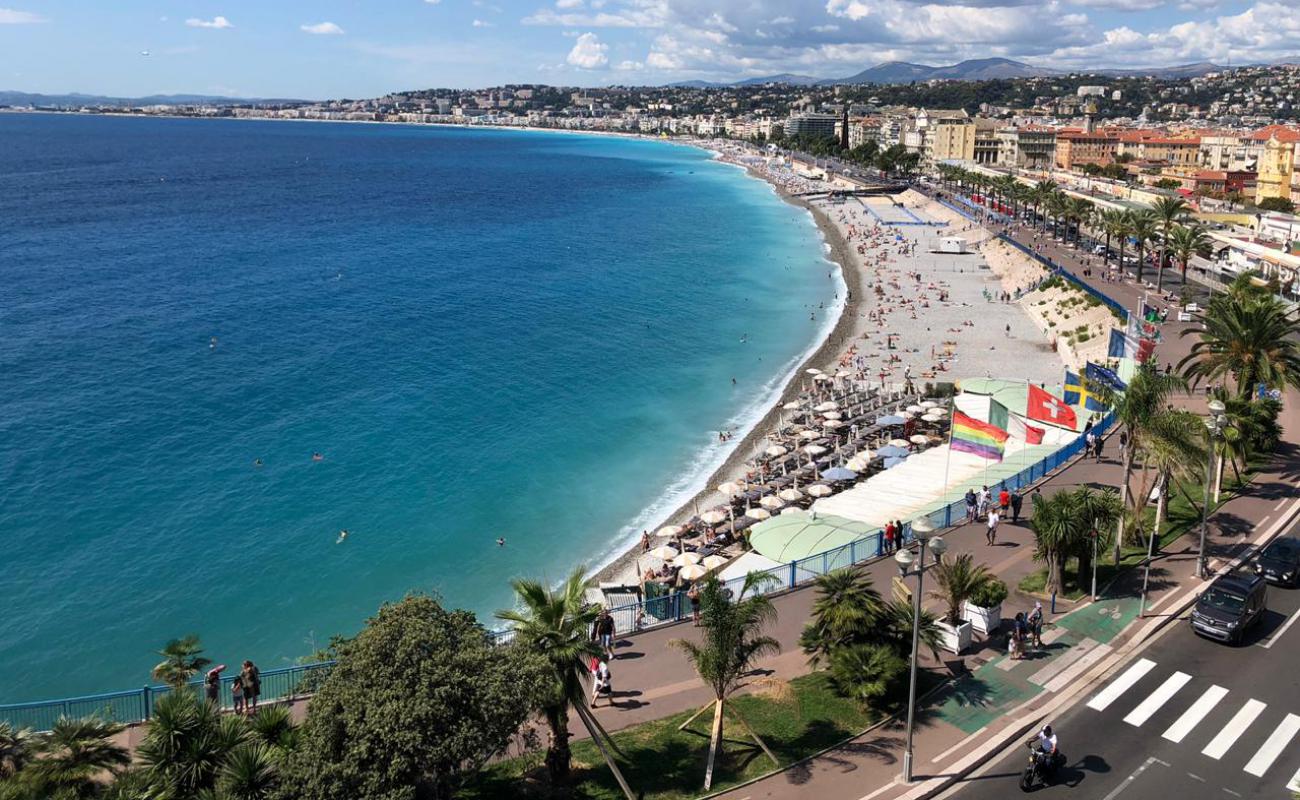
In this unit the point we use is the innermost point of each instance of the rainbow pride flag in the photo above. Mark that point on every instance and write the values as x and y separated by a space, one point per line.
970 435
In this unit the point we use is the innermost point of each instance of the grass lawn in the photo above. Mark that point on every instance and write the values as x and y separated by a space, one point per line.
1182 517
667 764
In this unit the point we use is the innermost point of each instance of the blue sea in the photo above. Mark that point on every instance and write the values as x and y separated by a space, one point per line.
482 334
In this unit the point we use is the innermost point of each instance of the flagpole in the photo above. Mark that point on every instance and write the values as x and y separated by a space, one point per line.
952 406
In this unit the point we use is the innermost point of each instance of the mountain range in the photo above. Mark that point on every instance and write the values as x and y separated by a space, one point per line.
75 100
977 69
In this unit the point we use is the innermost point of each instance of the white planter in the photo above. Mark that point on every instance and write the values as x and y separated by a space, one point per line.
954 639
983 620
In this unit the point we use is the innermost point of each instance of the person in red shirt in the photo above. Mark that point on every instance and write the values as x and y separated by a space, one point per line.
889 537
1004 500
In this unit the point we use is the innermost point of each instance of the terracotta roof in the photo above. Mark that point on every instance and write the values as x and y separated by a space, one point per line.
1282 132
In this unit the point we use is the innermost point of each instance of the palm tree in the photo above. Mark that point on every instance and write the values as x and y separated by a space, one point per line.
15 749
1123 229
1081 211
1056 205
1173 449
73 755
732 643
1168 211
847 610
1138 409
958 579
1252 340
556 623
1186 241
1055 528
867 673
1042 191
181 662
1101 511
1142 227
250 772
186 743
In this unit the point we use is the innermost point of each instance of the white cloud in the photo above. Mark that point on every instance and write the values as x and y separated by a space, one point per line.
215 22
1121 5
323 29
9 16
568 3
588 53
630 66
478 23
433 2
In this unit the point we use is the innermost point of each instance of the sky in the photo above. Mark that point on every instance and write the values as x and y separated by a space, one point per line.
321 49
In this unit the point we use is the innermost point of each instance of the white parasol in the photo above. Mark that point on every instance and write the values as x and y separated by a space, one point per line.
810 434
669 531
771 502
834 423
929 404
729 488
686 560
813 449
832 415
663 553
692 573
776 450
916 409
790 495
793 406
813 371
758 513
898 442
714 517
918 439
829 405
820 490
713 562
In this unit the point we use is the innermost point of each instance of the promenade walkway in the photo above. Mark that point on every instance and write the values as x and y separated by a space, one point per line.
654 680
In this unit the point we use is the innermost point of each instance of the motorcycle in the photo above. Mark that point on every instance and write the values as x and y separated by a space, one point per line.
1042 766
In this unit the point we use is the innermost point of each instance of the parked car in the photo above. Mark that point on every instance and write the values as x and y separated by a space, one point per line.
1099 250
1280 562
1229 607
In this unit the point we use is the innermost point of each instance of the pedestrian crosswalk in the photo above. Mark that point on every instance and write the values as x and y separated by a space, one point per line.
1199 715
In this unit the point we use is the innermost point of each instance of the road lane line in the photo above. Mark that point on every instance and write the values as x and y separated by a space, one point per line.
1157 699
1129 780
1273 746
1294 785
1077 668
1278 634
1193 716
1062 662
1235 728
1121 684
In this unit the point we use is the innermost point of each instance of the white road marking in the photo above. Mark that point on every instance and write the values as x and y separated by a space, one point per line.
1193 716
1157 698
1294 785
1193 776
1278 633
1062 662
1078 668
880 791
1121 684
1115 792
1273 746
1235 728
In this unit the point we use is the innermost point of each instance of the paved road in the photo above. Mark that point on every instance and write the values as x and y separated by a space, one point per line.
1189 719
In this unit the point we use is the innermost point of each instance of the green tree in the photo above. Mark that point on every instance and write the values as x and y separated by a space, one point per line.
1276 204
185 744
732 641
15 749
1186 241
71 758
1249 337
847 611
1142 227
958 579
182 660
867 673
418 701
1139 410
1168 212
1064 524
556 624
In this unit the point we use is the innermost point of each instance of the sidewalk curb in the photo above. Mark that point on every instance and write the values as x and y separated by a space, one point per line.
1140 639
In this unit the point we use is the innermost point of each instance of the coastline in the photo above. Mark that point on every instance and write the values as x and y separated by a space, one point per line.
622 560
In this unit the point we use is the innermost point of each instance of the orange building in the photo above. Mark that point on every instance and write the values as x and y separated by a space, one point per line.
1076 148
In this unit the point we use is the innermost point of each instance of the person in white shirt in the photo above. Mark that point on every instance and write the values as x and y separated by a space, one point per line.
1047 740
992 534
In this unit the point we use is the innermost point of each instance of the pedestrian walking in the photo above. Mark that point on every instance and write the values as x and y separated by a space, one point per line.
1097 448
982 502
970 505
992 534
1123 439
1004 500
1089 443
645 541
237 695
251 678
602 632
693 594
1036 623
602 682
1018 633
889 536
1016 501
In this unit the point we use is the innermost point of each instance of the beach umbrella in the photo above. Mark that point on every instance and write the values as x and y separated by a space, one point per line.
906 415
729 488
941 411
834 423
713 562
669 531
692 573
686 559
918 439
713 517
890 451
890 463
820 490
776 450
916 409
859 463
758 514
793 405
810 434
814 449
771 502
663 553
843 373
930 416
832 415
813 371
898 443
890 419
829 405
839 474
929 404
823 377
790 495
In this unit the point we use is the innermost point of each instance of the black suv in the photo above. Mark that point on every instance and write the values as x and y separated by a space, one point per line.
1280 562
1229 607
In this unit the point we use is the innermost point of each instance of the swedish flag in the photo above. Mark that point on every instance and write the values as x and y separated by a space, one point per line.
1077 394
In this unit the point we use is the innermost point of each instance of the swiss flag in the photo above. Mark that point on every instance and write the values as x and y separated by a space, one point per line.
1048 408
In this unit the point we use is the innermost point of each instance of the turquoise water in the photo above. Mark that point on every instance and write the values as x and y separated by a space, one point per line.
483 333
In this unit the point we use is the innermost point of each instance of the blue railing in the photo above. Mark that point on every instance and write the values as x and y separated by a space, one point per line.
137 705
675 607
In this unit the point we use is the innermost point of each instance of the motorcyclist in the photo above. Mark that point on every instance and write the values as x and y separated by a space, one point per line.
1047 745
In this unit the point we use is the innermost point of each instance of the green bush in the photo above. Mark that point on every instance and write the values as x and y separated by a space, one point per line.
990 594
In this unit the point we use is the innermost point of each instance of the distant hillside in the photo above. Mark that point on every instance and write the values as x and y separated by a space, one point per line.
888 72
988 69
75 100
785 77
1177 71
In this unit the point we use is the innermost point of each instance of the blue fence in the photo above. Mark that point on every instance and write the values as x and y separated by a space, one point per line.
675 607
137 705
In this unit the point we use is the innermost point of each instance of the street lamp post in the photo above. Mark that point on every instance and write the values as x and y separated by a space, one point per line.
924 533
1214 426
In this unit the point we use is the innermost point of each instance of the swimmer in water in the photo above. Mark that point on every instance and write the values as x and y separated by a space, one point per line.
257 462
501 541
317 457
343 535
212 343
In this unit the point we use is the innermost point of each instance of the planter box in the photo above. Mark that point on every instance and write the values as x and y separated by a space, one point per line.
954 639
983 620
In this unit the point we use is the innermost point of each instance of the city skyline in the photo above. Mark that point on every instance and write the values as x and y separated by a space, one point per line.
341 48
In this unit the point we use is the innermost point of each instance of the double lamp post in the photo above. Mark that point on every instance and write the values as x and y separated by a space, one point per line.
923 531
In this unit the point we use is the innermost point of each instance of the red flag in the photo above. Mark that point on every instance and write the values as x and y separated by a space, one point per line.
1048 408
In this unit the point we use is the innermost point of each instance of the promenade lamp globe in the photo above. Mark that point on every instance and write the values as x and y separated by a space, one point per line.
904 558
938 546
922 528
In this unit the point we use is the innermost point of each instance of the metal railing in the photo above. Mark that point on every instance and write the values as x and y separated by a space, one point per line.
137 705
